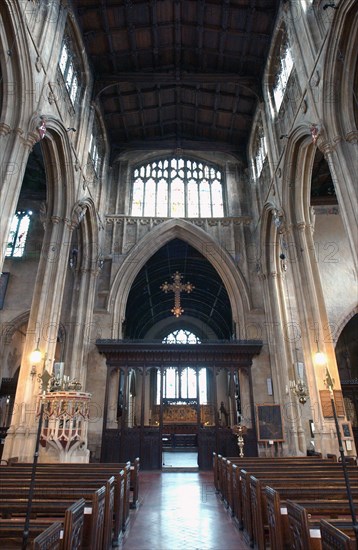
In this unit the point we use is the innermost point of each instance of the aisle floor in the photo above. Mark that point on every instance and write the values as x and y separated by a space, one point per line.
180 511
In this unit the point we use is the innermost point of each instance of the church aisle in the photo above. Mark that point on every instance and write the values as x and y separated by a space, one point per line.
180 511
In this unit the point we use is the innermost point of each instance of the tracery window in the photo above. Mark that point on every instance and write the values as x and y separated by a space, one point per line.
181 336
69 69
95 148
18 233
281 70
181 384
177 187
259 150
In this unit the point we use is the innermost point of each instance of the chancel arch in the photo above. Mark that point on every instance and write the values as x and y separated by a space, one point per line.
221 261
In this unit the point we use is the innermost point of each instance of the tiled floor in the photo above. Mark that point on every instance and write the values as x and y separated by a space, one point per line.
180 511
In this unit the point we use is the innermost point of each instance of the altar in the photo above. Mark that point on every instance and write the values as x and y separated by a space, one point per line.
186 415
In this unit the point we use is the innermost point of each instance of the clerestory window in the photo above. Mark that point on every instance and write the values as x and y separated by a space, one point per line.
259 152
69 70
177 187
18 234
281 70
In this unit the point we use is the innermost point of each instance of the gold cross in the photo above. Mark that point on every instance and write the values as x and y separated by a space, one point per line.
177 287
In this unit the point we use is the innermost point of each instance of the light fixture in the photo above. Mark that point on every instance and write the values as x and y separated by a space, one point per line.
299 389
320 358
35 356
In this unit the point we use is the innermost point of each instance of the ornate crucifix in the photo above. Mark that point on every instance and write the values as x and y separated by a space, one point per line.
177 287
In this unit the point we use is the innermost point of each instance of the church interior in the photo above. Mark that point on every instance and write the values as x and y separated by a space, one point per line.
178 230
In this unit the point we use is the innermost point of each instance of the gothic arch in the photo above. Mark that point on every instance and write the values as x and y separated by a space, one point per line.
297 172
59 164
16 68
230 274
84 217
343 321
339 71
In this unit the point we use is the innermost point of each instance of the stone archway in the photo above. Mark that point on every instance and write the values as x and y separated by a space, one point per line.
220 259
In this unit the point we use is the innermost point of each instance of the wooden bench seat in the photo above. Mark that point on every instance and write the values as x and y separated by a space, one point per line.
333 538
72 528
94 520
71 485
306 531
50 538
256 523
100 511
277 515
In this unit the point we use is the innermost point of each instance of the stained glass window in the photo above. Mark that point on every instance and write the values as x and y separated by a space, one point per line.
18 233
178 188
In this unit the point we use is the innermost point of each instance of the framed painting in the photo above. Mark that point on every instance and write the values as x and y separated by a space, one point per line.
269 423
346 429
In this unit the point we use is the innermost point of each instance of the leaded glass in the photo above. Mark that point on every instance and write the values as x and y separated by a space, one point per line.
182 188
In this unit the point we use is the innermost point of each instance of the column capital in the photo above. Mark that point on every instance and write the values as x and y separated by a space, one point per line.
5 129
55 219
352 136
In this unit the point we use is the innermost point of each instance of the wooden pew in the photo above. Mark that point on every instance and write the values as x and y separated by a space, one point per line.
72 528
51 502
254 508
278 518
225 469
75 478
314 468
94 514
333 538
50 539
306 532
94 467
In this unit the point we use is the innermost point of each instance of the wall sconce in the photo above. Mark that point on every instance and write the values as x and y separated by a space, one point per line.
33 371
299 389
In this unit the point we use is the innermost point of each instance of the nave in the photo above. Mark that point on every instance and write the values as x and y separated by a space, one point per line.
180 511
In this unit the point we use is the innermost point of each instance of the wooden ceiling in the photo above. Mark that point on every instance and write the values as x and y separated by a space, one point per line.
177 74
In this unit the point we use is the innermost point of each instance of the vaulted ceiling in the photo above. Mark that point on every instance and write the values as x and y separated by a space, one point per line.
177 74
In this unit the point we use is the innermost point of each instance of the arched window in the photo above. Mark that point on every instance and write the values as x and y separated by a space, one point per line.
96 149
181 336
69 68
181 384
281 70
18 233
259 151
177 188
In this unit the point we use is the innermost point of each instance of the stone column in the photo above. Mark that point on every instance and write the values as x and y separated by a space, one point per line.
42 329
14 155
342 160
313 318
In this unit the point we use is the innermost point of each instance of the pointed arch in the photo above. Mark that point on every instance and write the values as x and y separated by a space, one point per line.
222 262
339 73
16 67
